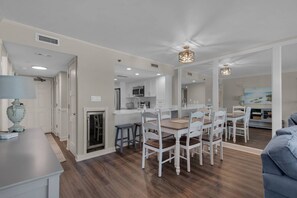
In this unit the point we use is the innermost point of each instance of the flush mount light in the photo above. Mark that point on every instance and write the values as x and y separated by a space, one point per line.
158 74
39 67
186 56
137 74
193 81
226 70
115 79
129 68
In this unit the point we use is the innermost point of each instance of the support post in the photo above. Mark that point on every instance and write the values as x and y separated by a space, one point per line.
179 86
276 89
215 85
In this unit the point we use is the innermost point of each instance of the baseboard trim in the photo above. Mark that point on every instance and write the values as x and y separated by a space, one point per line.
94 154
243 148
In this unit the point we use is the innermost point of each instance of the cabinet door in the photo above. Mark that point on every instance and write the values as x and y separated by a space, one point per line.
153 87
128 90
147 91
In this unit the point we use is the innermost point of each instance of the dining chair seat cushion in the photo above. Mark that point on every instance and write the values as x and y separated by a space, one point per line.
206 138
183 141
165 143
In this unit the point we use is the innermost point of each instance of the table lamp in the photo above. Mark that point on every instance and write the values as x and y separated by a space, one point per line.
16 87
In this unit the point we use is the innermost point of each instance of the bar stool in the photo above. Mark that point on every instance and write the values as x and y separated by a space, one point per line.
122 139
138 126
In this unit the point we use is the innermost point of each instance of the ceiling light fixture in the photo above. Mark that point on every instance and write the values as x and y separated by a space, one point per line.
39 67
115 79
186 56
158 74
129 68
137 74
193 81
226 70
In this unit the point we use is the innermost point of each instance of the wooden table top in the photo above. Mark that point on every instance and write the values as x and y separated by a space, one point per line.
179 124
234 115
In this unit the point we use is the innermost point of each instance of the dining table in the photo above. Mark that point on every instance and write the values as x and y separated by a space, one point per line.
234 117
179 127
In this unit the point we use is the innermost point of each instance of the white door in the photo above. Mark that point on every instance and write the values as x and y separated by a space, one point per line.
71 141
57 117
39 110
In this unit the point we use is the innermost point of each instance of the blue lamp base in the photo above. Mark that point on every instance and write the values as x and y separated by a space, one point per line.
16 113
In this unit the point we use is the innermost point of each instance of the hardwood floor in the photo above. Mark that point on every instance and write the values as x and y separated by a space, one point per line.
259 138
120 175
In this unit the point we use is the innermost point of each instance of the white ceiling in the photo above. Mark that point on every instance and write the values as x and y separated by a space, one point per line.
122 74
24 57
158 29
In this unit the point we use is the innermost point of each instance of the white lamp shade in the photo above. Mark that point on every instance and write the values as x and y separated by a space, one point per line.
16 87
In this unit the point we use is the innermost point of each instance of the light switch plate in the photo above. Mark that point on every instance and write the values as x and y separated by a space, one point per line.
96 98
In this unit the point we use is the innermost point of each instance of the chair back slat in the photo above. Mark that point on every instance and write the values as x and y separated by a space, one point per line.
151 126
247 116
196 122
218 122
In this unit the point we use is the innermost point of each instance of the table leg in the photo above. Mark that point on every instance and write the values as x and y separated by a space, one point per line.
177 154
234 130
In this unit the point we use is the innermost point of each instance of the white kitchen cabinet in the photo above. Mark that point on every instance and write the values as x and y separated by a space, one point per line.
152 83
129 89
164 91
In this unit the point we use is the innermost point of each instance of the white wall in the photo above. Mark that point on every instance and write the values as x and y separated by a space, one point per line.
196 93
5 69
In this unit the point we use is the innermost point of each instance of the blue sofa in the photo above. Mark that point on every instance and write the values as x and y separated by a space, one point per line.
279 164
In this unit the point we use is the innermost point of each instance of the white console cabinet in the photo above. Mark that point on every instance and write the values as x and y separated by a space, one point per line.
28 167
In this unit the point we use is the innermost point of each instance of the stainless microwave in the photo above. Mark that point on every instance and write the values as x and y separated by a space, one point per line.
138 91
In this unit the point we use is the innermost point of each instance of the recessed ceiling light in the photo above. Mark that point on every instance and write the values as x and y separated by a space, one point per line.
193 81
129 68
39 67
115 79
158 74
137 74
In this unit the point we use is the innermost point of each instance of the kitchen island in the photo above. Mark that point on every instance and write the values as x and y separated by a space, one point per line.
126 116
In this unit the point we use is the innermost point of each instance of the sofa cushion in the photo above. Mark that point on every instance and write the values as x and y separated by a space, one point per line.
287 131
268 165
292 119
282 156
292 145
280 186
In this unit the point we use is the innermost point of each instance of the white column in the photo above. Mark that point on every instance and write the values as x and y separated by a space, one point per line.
179 85
215 85
276 89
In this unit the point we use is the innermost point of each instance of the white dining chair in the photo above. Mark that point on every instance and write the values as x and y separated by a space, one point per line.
214 138
193 140
242 128
153 141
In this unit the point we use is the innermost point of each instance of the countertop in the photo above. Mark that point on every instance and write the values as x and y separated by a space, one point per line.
26 158
173 108
132 111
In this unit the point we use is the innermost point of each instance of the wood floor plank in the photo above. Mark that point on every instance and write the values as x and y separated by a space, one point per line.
120 175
